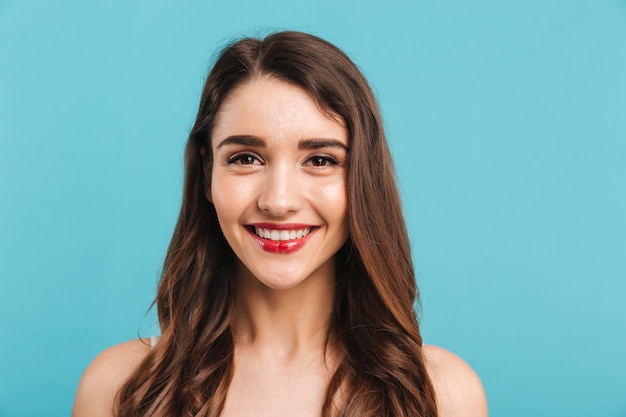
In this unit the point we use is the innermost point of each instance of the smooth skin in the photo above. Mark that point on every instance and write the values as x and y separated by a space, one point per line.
279 162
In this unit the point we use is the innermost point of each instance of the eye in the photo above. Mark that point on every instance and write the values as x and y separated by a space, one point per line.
322 160
244 159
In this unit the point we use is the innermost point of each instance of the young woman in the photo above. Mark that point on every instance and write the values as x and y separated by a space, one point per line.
288 287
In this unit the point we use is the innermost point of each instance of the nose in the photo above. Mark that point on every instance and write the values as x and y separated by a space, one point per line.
280 192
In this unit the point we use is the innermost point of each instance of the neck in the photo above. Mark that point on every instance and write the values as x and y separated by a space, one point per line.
283 324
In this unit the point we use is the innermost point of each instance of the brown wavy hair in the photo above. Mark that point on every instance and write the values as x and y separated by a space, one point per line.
381 370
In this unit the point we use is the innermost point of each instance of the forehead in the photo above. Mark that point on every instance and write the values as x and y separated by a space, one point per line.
274 109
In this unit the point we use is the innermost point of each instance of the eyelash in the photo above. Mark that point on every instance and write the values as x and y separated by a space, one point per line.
315 160
238 158
326 159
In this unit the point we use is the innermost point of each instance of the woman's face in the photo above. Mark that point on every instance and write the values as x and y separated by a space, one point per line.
279 182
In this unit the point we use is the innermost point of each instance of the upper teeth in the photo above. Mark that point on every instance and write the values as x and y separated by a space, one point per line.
274 234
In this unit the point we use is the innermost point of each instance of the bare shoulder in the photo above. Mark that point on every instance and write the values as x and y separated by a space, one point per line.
104 377
460 392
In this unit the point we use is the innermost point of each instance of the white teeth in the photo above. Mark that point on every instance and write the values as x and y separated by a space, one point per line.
279 235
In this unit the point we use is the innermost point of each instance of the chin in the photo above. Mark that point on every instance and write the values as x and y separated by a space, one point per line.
280 282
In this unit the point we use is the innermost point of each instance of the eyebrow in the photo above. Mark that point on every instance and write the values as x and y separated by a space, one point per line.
257 142
244 140
311 144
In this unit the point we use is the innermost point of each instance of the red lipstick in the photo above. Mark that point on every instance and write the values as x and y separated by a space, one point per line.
281 246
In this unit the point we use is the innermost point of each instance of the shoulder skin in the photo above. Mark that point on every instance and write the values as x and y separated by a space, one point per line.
104 376
460 392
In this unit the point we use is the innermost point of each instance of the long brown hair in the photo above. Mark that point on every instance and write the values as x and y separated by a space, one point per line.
382 370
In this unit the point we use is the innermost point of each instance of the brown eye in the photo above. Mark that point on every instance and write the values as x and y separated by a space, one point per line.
322 161
246 160
318 161
243 159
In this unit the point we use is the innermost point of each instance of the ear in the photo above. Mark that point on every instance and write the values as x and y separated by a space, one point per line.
207 167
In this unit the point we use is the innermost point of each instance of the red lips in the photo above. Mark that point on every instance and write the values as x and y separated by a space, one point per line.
282 246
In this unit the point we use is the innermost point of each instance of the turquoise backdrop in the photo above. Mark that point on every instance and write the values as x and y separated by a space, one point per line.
507 119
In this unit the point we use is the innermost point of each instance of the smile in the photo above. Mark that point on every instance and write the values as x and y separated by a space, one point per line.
281 238
281 235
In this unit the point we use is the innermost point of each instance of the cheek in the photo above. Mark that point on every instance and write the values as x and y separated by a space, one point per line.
220 197
333 199
231 196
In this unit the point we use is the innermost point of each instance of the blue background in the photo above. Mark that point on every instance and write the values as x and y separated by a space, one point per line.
507 120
